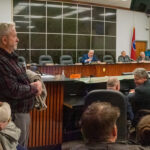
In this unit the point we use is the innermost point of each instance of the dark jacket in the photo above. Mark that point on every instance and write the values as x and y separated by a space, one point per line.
124 59
140 58
141 98
85 56
109 146
15 86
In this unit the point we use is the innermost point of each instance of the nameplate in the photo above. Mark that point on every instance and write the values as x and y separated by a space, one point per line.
75 76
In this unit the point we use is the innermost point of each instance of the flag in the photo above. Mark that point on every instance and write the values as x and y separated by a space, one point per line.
133 52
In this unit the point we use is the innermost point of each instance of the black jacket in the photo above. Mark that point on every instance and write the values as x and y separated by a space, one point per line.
109 146
141 98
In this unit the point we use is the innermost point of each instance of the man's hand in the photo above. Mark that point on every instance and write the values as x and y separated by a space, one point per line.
38 85
89 59
98 62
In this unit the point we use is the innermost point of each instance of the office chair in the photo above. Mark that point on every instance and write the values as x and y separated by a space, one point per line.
45 59
116 98
108 59
66 60
74 92
80 59
22 61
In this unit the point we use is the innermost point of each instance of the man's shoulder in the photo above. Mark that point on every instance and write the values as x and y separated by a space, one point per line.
109 146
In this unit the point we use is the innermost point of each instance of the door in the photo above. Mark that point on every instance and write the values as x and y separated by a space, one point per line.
141 46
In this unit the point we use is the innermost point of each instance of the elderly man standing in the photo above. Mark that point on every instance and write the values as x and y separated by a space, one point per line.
140 97
15 87
89 58
99 129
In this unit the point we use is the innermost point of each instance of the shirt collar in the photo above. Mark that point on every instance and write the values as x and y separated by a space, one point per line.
12 55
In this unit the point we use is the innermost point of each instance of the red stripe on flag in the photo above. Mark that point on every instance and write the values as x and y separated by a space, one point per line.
133 49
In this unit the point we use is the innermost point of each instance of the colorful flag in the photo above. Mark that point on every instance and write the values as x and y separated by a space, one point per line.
133 49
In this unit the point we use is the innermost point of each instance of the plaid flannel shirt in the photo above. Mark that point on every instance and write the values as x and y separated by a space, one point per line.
15 86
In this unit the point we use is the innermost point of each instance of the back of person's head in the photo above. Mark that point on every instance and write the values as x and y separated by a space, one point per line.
113 83
140 73
143 131
5 28
99 121
5 112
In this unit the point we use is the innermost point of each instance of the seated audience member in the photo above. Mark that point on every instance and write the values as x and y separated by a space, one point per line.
143 131
123 57
142 58
99 129
114 84
9 133
89 58
140 97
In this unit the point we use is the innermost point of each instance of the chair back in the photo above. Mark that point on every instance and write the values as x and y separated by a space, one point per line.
116 98
108 59
80 59
45 59
22 61
66 60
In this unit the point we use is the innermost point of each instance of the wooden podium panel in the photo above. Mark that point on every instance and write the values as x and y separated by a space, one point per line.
46 125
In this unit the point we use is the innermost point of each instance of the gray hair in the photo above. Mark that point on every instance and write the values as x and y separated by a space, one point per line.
141 73
112 82
5 29
91 50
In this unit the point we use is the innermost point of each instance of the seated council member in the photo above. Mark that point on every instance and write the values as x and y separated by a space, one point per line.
99 129
123 57
142 57
89 58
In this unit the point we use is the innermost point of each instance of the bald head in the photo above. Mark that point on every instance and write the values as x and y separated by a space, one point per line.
142 54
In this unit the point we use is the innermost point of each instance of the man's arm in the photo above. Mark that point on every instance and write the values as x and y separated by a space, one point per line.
10 85
85 58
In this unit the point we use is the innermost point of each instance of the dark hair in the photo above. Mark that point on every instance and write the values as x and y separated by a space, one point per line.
98 121
143 130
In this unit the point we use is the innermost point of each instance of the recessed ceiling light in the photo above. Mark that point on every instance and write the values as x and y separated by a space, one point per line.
124 0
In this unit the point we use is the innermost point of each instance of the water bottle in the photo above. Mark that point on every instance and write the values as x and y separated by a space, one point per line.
63 75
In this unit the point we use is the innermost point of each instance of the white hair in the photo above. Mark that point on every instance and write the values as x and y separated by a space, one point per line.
5 28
